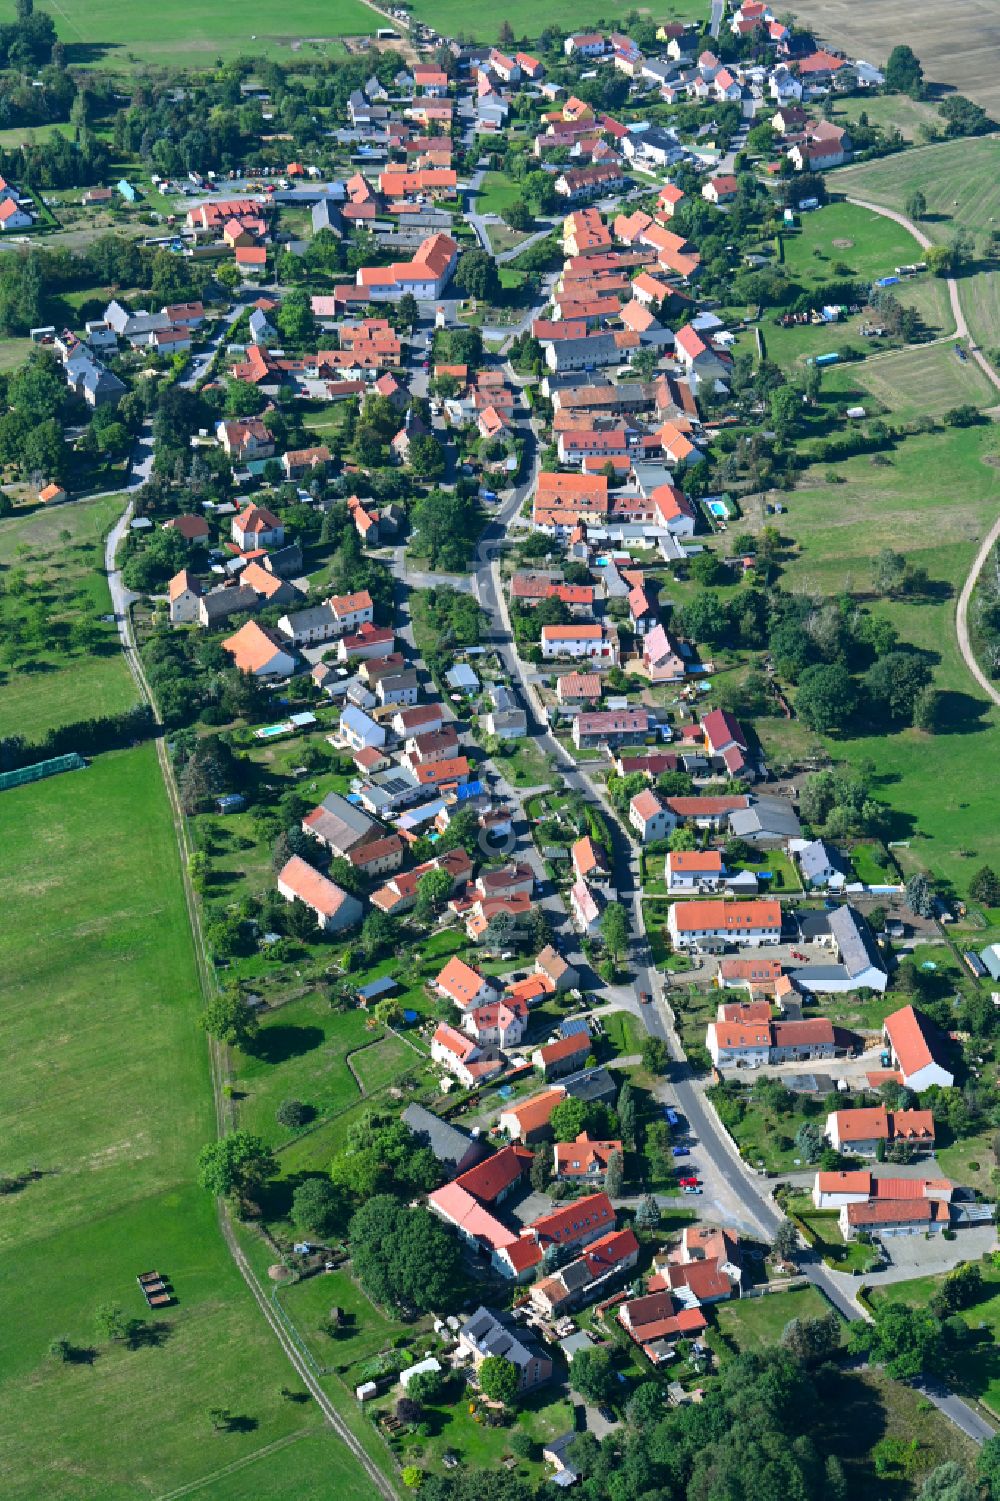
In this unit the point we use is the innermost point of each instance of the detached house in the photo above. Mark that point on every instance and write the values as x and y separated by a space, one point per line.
859 1132
333 909
257 527
466 987
915 1050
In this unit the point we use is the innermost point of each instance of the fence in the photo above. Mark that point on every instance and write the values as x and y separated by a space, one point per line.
40 770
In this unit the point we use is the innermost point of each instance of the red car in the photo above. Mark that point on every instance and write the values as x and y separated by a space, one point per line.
688 1182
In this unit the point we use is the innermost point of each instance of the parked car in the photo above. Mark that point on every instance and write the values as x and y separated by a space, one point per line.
679 1151
692 1190
688 1182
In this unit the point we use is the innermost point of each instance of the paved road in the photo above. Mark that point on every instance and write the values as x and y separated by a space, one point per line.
732 1189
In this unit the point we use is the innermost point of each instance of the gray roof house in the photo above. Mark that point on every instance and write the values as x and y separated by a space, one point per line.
591 1084
768 820
339 824
306 627
454 1149
822 865
327 215
490 1333
860 961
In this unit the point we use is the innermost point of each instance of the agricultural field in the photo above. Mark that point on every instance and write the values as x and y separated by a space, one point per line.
960 181
58 662
108 991
957 44
117 35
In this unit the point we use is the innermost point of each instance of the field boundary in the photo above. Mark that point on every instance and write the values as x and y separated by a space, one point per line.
302 1369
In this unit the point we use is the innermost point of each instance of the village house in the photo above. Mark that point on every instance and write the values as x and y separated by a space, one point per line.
184 594
583 1160
710 925
915 1050
563 1056
528 1121
488 1333
259 651
584 1279
595 643
459 983
333 909
694 870
858 1132
463 1057
611 727
257 527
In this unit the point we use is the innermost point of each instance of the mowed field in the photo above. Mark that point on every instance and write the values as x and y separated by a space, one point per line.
958 43
106 1102
61 552
924 379
482 23
113 33
960 181
933 501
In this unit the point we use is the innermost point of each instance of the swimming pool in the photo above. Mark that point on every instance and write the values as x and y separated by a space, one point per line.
269 731
718 508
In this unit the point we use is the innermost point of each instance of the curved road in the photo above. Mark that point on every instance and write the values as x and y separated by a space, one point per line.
735 1180
961 332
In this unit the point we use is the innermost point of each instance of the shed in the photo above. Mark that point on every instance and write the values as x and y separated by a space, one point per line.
430 1365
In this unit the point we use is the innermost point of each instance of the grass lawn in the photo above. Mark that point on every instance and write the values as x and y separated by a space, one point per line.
452 16
107 1098
365 1329
623 1032
752 1323
522 763
923 379
497 193
454 1428
114 34
961 185
300 1055
888 110
849 1256
934 500
46 680
978 1370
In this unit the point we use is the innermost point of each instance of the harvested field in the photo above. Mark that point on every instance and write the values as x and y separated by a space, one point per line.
958 44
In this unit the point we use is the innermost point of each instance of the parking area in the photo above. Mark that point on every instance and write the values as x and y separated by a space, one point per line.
915 1256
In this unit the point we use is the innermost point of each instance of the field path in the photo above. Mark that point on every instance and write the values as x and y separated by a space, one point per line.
961 332
962 614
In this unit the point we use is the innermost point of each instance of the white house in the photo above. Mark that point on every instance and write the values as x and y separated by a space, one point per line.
334 910
714 924
915 1051
591 642
649 816
694 870
310 626
184 594
358 731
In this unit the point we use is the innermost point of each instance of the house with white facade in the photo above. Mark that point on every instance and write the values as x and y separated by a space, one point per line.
713 925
